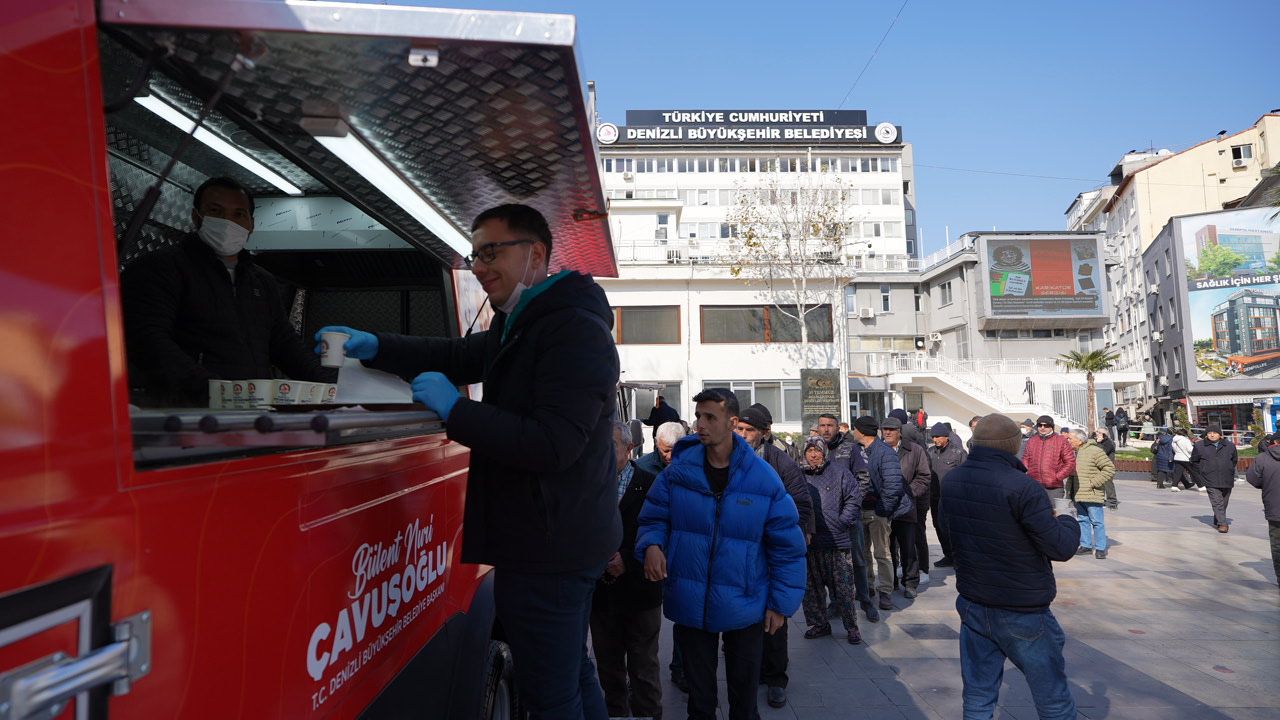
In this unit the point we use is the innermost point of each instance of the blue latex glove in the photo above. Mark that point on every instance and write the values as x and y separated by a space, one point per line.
361 345
435 391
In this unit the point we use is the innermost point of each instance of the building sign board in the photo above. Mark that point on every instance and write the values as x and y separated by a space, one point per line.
819 395
760 127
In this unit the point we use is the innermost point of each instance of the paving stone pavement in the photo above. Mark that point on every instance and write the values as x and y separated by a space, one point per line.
1179 623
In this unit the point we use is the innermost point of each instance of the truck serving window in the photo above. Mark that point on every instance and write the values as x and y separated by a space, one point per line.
364 149
220 351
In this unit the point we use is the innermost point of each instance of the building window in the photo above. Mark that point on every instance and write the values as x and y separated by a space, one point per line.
851 300
1173 312
763 324
647 325
945 291
917 298
1168 263
1241 152
1177 364
781 397
962 344
884 297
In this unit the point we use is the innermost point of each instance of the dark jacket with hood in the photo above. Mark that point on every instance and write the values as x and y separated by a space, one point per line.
1003 532
838 499
1264 474
542 496
1216 463
187 324
1163 451
793 481
630 592
732 555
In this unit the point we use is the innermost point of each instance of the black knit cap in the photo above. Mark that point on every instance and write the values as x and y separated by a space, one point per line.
757 416
866 425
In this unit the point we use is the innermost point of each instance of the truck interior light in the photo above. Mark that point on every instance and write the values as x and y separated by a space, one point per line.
176 118
338 138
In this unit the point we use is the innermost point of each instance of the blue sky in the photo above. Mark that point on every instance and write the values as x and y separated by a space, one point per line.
1032 88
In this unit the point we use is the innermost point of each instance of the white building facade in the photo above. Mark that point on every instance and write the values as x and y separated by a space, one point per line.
904 331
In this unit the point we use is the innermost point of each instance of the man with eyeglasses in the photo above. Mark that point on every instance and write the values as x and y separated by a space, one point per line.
1049 458
541 503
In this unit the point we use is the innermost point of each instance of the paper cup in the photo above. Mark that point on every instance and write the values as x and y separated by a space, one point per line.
257 393
331 349
234 397
286 392
309 393
217 395
330 392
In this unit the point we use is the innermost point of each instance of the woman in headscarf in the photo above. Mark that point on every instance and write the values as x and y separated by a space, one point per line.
837 500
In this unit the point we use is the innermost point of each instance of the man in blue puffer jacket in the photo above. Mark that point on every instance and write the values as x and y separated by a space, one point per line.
720 530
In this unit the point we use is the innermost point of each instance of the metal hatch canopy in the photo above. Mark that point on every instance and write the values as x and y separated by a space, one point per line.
502 118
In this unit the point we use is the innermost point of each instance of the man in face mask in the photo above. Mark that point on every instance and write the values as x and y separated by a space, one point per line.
204 310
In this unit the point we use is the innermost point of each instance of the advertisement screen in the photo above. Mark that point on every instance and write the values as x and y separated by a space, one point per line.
1233 292
1044 276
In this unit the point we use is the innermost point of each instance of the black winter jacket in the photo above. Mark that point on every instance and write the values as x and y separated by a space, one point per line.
185 324
941 462
1216 463
629 592
1264 474
1003 533
793 479
542 495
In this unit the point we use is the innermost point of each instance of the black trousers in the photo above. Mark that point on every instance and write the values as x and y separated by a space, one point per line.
922 537
904 533
742 653
773 664
626 646
1275 546
1182 474
935 497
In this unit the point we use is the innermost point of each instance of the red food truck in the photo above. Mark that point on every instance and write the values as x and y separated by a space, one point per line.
263 560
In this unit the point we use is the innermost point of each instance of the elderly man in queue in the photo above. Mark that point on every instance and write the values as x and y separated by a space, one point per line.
720 530
205 310
837 500
1005 538
915 478
541 501
886 499
945 455
626 609
754 427
664 441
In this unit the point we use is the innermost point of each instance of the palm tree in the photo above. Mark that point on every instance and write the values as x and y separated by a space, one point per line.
1089 363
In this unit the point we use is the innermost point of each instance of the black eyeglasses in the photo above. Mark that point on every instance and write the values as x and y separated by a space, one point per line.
489 253
1048 425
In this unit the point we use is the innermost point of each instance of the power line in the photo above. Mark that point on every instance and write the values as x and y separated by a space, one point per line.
873 53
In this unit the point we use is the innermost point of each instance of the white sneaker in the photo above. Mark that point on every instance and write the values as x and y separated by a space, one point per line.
924 577
1175 488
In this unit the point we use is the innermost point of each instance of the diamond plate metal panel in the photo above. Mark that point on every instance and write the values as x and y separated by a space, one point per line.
492 123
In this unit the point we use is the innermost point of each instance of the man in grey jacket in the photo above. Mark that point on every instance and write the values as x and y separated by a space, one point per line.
944 455
915 479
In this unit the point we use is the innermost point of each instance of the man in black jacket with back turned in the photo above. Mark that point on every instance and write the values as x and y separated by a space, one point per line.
542 500
1004 536
204 310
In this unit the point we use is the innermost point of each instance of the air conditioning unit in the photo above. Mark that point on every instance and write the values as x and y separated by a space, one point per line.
1239 163
1163 380
935 337
628 176
866 313
1155 290
1157 336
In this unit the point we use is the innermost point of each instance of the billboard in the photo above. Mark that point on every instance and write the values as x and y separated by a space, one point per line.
734 127
1043 275
1232 262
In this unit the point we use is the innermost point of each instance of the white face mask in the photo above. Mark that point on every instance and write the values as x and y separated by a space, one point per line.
225 237
510 305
